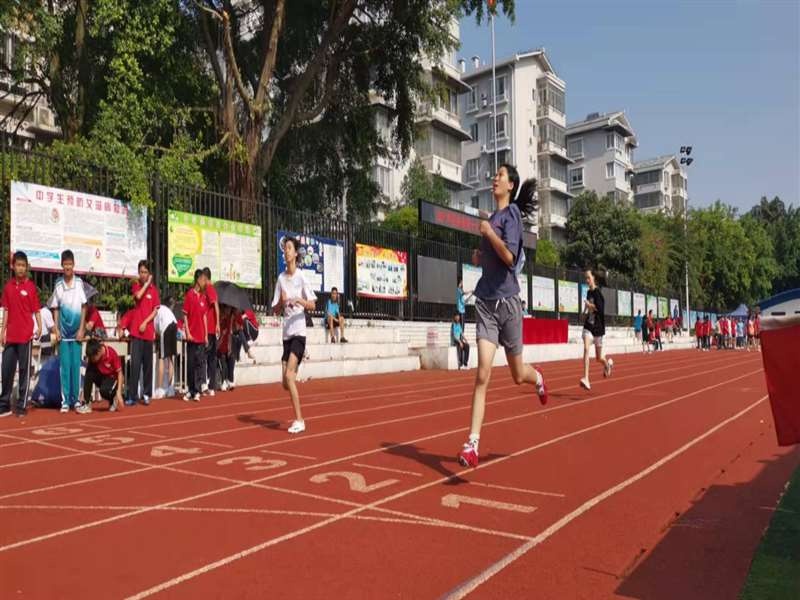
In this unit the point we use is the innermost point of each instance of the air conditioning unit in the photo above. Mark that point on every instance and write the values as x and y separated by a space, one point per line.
488 175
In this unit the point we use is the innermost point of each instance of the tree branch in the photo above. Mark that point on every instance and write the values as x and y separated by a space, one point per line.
301 85
271 53
210 48
232 64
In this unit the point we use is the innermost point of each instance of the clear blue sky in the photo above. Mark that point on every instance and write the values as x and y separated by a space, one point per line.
721 75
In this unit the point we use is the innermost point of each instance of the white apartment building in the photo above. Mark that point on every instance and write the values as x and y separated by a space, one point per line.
438 132
33 119
660 185
601 147
531 118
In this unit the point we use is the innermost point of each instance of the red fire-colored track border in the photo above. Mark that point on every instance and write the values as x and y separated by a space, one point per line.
656 484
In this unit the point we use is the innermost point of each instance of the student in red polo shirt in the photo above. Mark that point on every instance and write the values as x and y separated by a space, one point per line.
143 335
104 371
195 307
213 319
94 322
20 301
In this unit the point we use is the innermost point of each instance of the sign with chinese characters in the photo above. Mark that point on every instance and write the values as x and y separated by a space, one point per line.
107 236
381 273
320 260
232 250
461 221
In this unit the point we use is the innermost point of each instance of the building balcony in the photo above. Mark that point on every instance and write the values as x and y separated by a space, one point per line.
442 119
443 168
549 183
648 187
554 149
503 143
545 111
558 221
452 75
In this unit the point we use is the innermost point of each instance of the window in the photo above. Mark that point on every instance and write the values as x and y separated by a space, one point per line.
558 171
551 96
383 177
503 156
647 177
473 132
500 87
452 102
609 141
610 173
576 178
475 201
648 200
575 148
501 125
550 132
472 169
473 98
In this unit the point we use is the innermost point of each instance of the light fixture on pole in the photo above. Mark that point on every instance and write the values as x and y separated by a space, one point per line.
492 8
685 152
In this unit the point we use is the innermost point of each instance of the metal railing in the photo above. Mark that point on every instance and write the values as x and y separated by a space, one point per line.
431 241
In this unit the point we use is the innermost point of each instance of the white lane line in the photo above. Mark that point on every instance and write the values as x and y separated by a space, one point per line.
449 386
212 444
387 469
291 454
297 533
472 584
155 435
515 489
726 366
536 412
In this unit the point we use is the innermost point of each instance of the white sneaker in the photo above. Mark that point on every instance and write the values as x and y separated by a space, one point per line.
170 393
231 386
297 426
84 408
209 392
608 368
223 387
204 388
585 384
158 394
64 408
187 397
6 413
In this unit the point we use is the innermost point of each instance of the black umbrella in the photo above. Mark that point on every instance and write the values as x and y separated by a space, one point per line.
89 290
178 312
231 294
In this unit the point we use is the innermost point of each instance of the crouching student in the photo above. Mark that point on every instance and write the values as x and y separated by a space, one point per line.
104 370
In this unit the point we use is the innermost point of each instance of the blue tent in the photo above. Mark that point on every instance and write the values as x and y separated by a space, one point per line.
741 312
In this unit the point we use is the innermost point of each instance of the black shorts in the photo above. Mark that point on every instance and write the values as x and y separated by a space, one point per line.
167 342
334 320
294 345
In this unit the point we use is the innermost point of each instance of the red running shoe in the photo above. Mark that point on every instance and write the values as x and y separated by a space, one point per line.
468 457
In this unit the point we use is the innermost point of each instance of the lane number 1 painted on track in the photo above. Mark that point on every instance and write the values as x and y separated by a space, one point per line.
355 480
456 500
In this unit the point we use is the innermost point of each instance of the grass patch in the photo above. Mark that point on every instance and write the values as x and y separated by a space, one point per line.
775 571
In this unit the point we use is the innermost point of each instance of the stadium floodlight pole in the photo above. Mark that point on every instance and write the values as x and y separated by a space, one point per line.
492 4
685 160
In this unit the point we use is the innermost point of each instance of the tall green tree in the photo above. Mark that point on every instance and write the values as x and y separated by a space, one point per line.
418 184
602 234
782 225
126 83
283 65
547 254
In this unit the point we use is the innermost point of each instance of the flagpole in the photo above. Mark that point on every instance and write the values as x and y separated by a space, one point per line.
494 85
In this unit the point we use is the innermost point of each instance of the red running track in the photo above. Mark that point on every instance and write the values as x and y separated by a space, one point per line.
656 484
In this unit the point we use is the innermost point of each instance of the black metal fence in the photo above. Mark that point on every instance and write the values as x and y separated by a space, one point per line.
41 168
